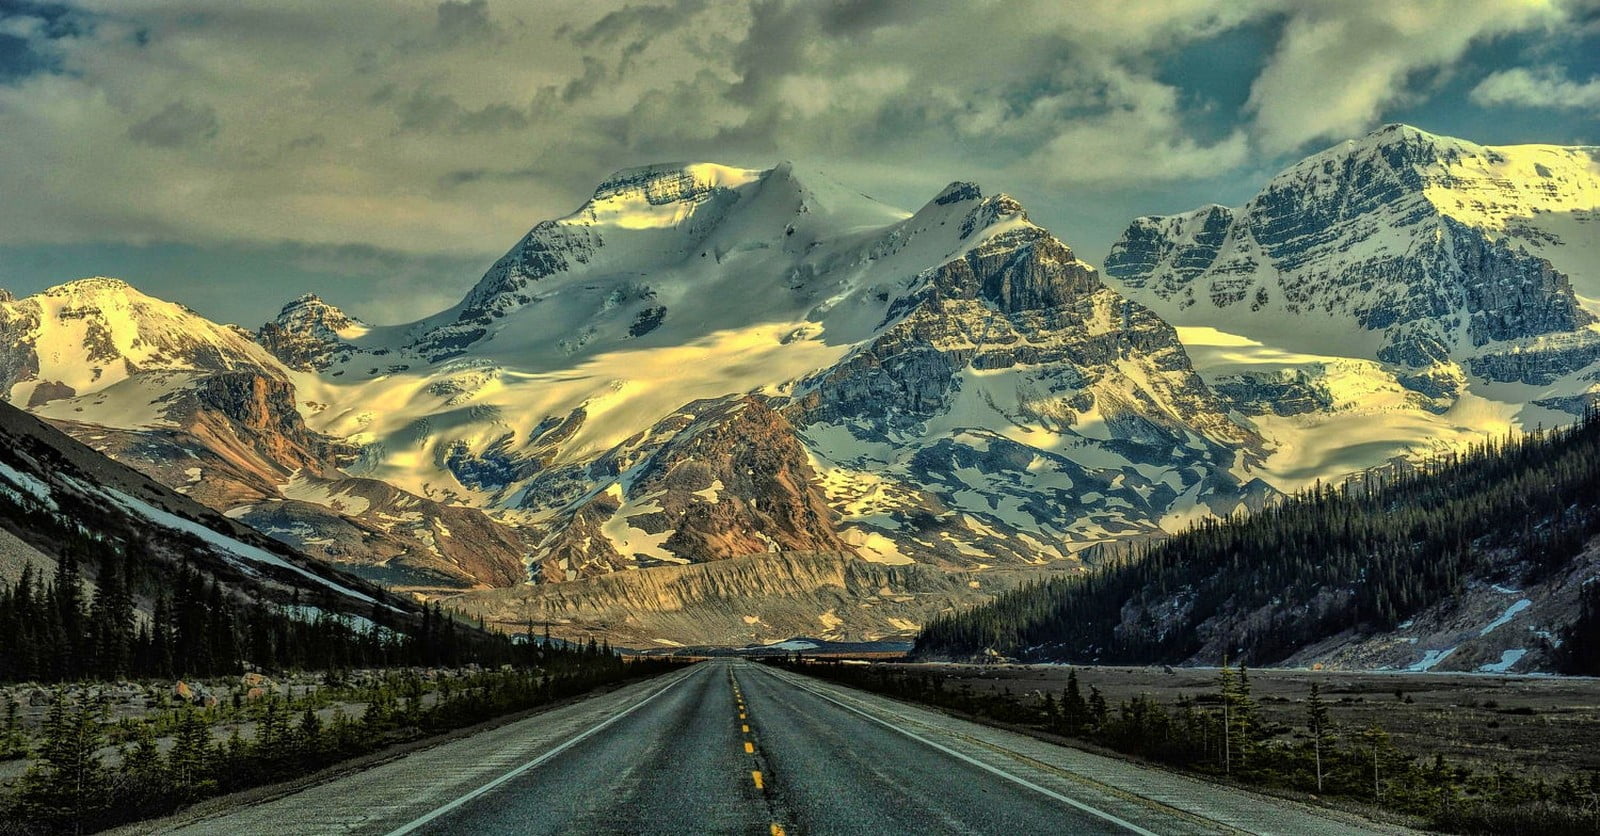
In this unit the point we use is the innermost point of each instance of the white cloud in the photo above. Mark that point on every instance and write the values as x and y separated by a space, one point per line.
1339 65
1544 87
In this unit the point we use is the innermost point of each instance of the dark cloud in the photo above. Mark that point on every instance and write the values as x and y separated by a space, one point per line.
468 176
464 18
844 18
595 74
307 142
645 22
177 125
441 113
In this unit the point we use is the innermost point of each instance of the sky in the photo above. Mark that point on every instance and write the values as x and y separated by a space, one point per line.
233 154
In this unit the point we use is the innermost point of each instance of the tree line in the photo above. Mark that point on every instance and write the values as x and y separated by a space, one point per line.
53 632
1364 555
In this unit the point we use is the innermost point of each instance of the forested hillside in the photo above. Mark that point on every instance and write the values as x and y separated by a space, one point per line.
1362 557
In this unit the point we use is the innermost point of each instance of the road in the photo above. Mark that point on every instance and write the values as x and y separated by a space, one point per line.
736 747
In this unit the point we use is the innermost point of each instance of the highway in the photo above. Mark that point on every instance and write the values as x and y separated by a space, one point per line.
731 746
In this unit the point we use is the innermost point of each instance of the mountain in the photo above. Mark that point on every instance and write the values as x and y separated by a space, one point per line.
705 362
58 494
1481 561
204 409
1396 291
947 382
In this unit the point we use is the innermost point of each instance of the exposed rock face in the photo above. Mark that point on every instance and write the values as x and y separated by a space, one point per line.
1407 275
716 480
309 333
1372 233
1283 393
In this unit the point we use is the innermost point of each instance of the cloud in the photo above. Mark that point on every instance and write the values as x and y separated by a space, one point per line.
1540 87
641 21
464 19
1339 65
176 125
442 113
426 127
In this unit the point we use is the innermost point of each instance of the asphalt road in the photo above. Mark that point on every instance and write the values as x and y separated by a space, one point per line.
736 747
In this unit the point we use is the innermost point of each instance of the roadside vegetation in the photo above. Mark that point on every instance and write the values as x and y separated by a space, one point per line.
1222 734
378 681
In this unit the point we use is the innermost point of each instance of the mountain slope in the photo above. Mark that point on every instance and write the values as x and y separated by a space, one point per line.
1399 291
1476 562
51 484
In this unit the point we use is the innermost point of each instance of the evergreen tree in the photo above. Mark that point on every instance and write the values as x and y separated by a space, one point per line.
65 785
1075 717
1321 728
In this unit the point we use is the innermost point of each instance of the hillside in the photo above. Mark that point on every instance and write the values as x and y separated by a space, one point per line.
1476 562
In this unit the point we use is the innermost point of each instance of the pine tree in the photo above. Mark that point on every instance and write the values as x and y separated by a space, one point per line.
1074 710
65 786
187 759
1321 729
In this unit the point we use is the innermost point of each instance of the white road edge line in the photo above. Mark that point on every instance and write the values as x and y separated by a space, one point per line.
413 826
975 762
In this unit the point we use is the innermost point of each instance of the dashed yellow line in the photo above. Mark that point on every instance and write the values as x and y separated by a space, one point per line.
777 829
745 729
749 748
741 716
755 775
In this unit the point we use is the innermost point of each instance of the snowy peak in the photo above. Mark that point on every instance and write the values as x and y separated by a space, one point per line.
309 333
88 335
1401 246
662 185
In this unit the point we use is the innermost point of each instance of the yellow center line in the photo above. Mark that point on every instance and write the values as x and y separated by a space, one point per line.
741 716
749 747
777 829
755 775
745 729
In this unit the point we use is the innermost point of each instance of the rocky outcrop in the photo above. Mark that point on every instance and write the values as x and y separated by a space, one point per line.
1283 393
310 334
716 480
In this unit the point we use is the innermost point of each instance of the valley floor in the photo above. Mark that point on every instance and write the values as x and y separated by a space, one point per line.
1539 724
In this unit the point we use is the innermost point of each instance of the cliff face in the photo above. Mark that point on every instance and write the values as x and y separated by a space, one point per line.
309 334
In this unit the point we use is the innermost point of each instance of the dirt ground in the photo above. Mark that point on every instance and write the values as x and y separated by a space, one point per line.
1549 725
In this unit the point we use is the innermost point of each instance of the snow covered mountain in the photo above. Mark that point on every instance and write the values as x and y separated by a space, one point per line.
703 362
1398 291
206 410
